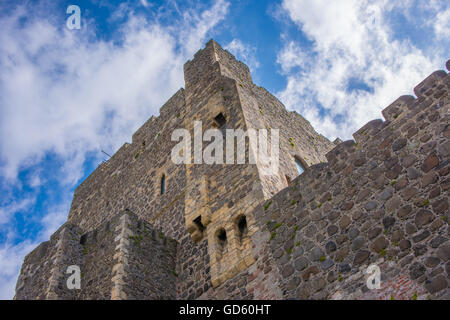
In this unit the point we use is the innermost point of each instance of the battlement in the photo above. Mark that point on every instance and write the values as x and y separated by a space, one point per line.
381 200
204 61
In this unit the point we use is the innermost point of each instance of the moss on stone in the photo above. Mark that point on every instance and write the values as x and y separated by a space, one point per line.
272 235
277 225
291 141
137 239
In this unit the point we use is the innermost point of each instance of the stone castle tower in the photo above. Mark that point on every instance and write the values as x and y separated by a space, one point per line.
142 227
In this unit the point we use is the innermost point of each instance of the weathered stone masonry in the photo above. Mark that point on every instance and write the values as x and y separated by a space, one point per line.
231 232
382 199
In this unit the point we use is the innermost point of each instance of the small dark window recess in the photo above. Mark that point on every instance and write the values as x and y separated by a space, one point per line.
300 166
220 120
242 227
163 184
222 238
83 239
199 224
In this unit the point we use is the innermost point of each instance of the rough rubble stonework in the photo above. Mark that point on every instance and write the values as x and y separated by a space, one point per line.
231 232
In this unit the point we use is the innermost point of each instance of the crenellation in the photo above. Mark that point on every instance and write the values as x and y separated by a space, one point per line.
398 108
323 283
426 86
370 129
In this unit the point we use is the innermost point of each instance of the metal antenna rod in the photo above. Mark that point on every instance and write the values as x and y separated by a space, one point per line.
106 153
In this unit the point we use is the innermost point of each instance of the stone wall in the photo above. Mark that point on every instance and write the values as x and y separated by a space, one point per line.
298 139
145 262
380 200
216 83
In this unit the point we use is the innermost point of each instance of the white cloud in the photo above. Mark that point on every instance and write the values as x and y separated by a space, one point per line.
61 93
292 56
355 67
442 24
196 26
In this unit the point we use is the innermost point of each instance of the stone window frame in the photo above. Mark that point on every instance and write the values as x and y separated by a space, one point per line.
303 163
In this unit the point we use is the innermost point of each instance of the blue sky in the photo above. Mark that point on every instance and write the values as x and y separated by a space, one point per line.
65 95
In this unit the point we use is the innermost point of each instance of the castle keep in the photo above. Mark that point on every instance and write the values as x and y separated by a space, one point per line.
142 227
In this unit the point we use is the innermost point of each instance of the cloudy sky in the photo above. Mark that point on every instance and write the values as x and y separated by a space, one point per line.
65 95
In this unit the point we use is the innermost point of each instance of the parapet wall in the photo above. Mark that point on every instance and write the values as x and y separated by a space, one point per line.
380 200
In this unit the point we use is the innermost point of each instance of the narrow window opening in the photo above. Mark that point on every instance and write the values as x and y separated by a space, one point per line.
220 120
222 238
83 239
299 164
242 227
163 184
199 224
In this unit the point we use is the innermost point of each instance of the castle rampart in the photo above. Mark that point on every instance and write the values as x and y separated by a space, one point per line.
143 227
